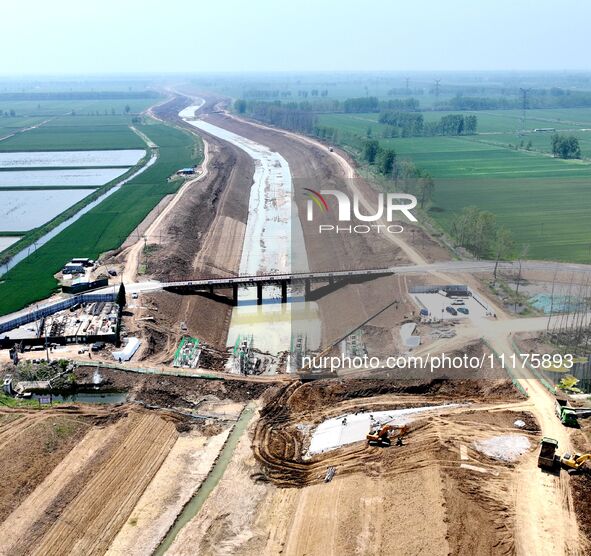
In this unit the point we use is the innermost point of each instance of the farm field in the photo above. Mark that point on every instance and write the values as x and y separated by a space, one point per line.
67 176
36 108
483 170
86 134
107 225
25 210
71 159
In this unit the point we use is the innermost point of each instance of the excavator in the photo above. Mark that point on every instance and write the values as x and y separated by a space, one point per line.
551 461
574 462
381 434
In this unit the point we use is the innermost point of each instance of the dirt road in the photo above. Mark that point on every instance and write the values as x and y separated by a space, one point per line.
133 253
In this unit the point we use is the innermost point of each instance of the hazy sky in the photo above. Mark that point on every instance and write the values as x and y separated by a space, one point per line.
90 36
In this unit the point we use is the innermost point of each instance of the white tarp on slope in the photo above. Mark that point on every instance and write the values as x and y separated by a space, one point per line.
127 352
334 433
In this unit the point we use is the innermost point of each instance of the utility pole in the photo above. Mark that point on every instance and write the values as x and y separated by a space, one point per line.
407 89
437 81
524 93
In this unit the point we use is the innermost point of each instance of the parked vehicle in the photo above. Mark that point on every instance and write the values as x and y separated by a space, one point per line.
451 310
548 459
463 310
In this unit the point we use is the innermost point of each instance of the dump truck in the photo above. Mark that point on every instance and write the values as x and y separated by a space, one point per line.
566 413
548 459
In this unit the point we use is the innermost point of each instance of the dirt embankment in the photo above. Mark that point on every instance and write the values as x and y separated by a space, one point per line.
175 392
202 236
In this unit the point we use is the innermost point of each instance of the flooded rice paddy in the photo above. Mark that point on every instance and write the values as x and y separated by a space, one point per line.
25 210
70 177
72 159
7 241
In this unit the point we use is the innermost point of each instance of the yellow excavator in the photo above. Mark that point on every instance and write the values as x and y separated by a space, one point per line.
382 434
574 462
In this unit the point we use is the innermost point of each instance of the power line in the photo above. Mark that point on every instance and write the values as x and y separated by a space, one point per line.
524 93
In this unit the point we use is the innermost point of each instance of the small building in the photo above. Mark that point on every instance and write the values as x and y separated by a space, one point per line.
72 268
82 261
186 171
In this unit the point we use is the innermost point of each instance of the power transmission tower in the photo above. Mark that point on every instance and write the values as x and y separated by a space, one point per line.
524 93
407 85
437 81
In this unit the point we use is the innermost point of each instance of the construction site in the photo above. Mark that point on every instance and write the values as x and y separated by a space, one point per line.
229 441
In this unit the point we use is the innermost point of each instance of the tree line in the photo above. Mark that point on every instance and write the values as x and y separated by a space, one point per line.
276 93
477 231
536 99
80 95
410 124
405 175
288 116
565 146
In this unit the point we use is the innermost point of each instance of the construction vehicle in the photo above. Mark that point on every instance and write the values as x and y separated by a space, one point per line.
569 415
548 459
382 434
574 462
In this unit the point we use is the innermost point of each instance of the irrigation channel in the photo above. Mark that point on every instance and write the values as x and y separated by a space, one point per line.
217 472
273 243
22 255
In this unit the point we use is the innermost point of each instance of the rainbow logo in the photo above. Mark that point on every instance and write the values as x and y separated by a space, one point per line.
317 198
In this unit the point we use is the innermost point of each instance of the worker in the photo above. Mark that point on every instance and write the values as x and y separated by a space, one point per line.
344 421
399 441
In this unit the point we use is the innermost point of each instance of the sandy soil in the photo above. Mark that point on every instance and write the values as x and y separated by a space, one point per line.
181 474
86 496
31 445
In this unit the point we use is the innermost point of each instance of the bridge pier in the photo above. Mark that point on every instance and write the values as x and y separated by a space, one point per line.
259 294
235 294
283 291
307 289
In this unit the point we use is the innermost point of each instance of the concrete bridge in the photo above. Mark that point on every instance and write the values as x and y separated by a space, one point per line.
335 278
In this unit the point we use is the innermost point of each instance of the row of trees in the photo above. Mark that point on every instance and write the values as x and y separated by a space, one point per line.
407 177
565 146
536 99
372 104
477 231
80 95
412 124
276 93
287 116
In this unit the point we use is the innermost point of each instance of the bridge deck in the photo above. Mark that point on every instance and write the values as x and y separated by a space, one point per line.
277 278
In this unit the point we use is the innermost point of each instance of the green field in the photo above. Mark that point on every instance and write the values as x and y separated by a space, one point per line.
76 133
81 107
544 201
106 226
